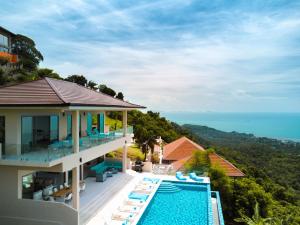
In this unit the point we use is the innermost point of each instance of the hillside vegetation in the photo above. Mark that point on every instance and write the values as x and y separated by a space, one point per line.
273 175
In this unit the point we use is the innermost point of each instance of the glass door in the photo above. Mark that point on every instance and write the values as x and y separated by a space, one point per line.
38 132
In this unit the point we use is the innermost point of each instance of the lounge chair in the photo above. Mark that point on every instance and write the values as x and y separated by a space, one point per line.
143 191
122 216
152 180
138 196
180 176
129 209
134 203
194 177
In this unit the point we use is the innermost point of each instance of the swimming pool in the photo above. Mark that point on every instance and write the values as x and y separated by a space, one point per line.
179 203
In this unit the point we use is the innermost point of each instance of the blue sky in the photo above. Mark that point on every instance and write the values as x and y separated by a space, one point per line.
173 55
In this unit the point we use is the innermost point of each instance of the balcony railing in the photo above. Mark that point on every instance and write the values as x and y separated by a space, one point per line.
11 58
56 150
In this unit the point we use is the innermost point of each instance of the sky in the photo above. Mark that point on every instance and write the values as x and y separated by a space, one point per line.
171 55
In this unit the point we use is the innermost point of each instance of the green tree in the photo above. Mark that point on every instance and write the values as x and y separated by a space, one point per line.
120 96
256 219
45 72
92 85
29 56
106 90
199 162
78 79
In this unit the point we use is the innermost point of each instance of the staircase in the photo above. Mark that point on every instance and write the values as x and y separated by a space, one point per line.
168 187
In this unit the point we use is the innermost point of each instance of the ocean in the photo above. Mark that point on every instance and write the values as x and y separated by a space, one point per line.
284 126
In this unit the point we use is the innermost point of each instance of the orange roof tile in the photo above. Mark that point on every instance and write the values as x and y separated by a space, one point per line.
230 169
178 164
179 149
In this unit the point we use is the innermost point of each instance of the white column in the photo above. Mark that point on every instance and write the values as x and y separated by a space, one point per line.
67 177
75 170
75 131
75 187
124 156
124 123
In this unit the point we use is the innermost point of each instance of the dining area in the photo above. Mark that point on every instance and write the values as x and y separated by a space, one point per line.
44 186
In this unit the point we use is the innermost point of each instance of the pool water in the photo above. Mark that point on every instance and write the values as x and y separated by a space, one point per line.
177 203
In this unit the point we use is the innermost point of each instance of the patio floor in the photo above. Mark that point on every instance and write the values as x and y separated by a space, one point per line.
97 195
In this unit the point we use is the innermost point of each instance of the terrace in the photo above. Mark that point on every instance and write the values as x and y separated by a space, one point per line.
46 154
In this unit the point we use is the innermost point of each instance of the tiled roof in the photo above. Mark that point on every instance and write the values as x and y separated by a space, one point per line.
180 148
49 92
229 169
179 163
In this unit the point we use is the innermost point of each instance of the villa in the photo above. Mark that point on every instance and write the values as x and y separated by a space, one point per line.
47 149
53 169
5 46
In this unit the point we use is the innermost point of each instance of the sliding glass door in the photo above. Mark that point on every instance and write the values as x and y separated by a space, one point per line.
39 132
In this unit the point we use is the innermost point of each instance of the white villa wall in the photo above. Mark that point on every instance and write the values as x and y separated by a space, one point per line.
16 211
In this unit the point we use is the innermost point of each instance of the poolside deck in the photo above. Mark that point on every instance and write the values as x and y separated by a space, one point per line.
99 199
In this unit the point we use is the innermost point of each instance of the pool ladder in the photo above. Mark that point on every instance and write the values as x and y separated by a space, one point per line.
167 187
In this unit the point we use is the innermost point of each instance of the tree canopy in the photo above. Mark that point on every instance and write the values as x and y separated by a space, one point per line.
29 56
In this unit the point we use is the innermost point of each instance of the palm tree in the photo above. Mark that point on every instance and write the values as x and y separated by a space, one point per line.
256 219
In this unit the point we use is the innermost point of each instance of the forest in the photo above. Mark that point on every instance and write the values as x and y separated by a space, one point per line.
273 175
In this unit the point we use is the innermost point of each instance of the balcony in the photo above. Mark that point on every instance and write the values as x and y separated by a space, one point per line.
8 57
38 155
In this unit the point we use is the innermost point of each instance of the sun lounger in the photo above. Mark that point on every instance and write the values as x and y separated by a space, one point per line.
138 196
143 191
194 177
134 203
144 187
122 216
129 209
180 176
151 180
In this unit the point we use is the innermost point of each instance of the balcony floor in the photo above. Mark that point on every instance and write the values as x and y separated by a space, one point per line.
108 195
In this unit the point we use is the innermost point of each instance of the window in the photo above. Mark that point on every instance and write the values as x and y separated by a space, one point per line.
38 131
3 40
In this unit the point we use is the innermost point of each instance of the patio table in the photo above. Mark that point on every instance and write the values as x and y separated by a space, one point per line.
63 192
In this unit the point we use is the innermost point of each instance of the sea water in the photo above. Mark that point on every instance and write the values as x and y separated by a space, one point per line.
285 126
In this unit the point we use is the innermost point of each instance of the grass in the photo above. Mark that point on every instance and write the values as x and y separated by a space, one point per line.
113 124
133 152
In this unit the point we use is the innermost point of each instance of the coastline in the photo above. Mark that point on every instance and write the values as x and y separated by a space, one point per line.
279 126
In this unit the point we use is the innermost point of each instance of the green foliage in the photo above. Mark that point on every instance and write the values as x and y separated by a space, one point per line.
27 52
2 77
273 171
106 90
120 96
199 163
113 123
133 152
256 219
78 79
155 158
45 72
92 85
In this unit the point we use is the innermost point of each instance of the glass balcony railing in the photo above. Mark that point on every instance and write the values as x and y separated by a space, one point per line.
56 150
